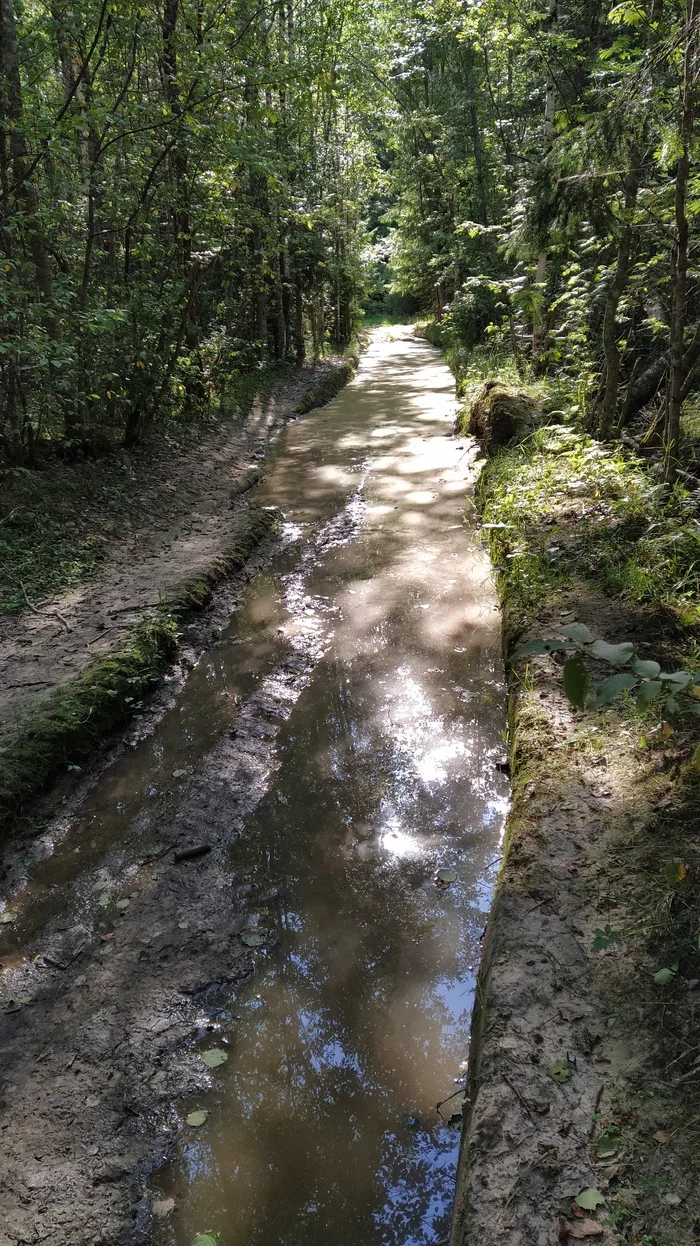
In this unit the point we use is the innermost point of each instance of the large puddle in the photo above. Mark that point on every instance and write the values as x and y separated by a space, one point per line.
323 1125
355 706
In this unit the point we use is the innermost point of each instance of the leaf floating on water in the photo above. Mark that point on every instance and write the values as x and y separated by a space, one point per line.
253 938
7 917
195 1119
589 1199
214 1057
446 876
560 1071
206 1239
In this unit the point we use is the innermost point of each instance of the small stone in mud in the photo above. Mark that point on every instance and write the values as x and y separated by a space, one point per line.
163 1207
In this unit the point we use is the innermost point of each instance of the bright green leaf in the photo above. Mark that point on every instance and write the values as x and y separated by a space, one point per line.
560 1071
214 1057
589 1199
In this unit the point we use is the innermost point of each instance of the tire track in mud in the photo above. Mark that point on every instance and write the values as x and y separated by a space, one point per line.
100 1022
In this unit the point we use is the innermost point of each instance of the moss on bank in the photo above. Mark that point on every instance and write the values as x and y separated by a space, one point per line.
68 726
328 385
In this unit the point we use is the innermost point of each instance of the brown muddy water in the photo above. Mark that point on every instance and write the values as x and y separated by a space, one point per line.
341 741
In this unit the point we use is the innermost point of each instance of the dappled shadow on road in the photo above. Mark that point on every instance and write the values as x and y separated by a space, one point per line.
339 745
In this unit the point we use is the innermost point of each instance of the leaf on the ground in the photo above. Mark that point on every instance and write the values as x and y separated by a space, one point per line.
253 938
206 1239
214 1057
605 1147
532 647
666 731
681 678
123 904
674 872
560 1071
576 631
576 682
446 876
177 774
589 1199
580 1229
163 1207
664 976
647 670
612 688
616 655
195 1119
696 757
662 1136
605 937
103 900
7 917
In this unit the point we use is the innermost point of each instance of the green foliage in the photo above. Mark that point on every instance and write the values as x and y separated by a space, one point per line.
190 208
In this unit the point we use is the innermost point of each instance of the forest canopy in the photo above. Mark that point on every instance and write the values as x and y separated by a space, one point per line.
196 189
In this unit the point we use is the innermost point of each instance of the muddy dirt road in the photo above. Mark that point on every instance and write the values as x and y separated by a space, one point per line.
333 749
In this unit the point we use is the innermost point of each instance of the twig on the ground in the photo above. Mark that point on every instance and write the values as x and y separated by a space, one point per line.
64 621
33 609
523 1102
461 1091
32 683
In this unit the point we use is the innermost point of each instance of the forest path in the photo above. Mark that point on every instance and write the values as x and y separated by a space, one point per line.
179 520
332 750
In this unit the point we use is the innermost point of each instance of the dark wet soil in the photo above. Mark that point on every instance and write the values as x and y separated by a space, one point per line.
332 749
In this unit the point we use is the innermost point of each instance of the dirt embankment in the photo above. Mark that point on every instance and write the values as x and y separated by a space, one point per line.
73 668
584 1073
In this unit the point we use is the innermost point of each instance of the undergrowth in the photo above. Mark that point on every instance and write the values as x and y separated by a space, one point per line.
56 522
564 508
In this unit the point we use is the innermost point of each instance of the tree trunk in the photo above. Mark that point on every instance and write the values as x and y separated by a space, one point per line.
11 116
608 412
679 249
539 310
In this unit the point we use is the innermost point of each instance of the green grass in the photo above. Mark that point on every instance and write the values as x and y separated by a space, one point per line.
575 509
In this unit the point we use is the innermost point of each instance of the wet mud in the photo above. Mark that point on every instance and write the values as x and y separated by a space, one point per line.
333 748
